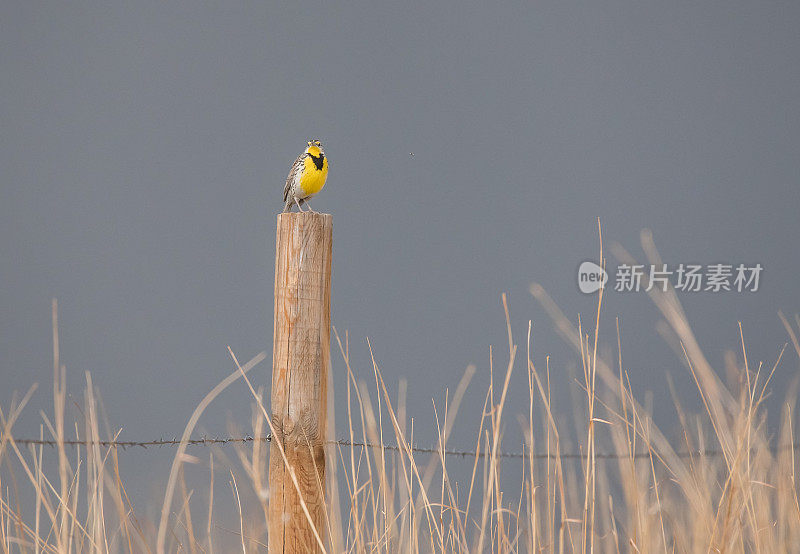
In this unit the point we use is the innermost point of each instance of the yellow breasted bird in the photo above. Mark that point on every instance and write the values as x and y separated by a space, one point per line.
307 177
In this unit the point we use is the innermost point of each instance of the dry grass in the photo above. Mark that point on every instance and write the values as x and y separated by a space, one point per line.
649 498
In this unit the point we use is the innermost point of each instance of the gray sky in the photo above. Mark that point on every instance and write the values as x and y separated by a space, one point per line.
144 148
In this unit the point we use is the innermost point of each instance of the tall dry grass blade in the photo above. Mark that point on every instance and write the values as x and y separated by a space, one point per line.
209 538
239 507
242 371
187 432
497 413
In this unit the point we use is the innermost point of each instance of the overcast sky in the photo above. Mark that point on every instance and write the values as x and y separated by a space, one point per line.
144 147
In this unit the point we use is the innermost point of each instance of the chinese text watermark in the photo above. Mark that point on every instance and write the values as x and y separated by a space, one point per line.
718 277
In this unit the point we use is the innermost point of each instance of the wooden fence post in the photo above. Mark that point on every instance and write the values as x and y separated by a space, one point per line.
300 365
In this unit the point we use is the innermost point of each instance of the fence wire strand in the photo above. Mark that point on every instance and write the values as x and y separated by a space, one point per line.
222 441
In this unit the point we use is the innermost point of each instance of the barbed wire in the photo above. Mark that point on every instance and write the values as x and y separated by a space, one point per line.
222 441
144 444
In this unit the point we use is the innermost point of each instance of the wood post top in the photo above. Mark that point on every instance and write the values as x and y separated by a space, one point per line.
306 215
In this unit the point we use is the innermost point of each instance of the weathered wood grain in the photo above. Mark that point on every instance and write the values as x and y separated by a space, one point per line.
300 362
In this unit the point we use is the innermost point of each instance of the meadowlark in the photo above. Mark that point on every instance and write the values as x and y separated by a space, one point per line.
306 178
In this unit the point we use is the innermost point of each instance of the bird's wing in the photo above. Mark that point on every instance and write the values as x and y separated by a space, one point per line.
293 173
